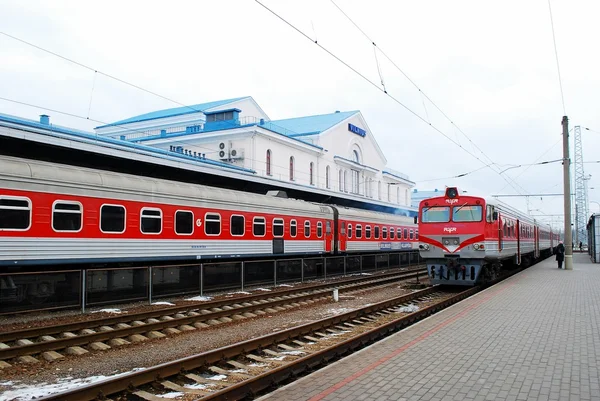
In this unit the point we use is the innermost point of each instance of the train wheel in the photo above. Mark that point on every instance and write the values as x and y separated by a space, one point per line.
39 293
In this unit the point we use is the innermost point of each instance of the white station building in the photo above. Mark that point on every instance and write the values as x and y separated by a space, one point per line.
334 152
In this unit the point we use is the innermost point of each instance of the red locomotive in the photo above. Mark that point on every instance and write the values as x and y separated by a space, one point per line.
467 240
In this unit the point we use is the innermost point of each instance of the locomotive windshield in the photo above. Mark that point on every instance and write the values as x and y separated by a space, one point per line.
436 214
466 213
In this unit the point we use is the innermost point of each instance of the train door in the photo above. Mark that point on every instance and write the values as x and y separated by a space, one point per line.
518 242
342 236
536 238
500 235
328 237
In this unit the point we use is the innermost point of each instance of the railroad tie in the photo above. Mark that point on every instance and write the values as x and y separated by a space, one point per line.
148 396
176 387
218 370
298 342
271 352
287 347
263 360
238 365
311 339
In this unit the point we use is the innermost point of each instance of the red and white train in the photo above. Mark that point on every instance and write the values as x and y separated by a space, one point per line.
466 239
60 215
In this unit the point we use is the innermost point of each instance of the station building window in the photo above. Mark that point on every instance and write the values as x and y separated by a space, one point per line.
184 222
328 177
341 180
67 216
151 221
259 226
212 224
238 225
278 227
292 168
15 213
112 219
310 168
268 162
293 228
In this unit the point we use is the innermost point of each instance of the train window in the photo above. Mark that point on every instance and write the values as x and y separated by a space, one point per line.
412 235
349 230
238 225
358 231
384 233
328 227
15 213
112 219
66 216
278 227
212 224
376 232
367 232
392 233
435 214
405 233
184 222
467 213
307 229
151 221
416 234
259 226
293 228
319 229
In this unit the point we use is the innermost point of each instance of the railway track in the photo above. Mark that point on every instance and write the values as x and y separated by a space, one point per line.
52 342
250 367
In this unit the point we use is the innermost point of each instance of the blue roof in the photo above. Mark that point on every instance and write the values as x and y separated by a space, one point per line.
177 111
311 125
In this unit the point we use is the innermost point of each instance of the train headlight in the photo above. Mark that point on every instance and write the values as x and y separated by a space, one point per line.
446 242
455 242
479 247
424 247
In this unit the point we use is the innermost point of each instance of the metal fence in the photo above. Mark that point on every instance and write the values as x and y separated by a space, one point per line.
93 287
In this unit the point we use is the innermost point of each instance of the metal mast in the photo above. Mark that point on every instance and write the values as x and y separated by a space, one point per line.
581 201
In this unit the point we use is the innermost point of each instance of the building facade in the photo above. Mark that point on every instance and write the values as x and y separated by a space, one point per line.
334 152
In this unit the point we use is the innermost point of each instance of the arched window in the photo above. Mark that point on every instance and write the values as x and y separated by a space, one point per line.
292 168
268 161
341 180
345 181
355 156
327 177
312 181
389 196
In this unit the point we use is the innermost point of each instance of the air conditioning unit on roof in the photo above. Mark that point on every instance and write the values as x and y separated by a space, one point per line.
236 154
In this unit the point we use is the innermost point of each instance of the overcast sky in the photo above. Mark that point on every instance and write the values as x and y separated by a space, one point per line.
489 66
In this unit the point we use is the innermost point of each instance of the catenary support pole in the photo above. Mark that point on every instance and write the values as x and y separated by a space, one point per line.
567 196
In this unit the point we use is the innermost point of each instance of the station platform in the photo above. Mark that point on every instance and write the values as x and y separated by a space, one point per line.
535 336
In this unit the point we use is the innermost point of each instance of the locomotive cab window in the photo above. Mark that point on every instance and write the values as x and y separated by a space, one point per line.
307 229
293 228
184 222
66 216
238 225
319 229
435 214
466 213
112 219
259 226
212 224
15 213
151 221
277 227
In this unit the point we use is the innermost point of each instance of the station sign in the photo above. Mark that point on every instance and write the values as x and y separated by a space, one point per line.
356 130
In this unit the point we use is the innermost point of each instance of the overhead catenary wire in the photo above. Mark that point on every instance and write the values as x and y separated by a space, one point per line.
562 95
377 87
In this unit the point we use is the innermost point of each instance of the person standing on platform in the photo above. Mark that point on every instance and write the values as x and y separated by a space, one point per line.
580 246
560 254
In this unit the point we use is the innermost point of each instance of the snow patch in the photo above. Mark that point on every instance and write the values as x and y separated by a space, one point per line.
109 310
217 377
295 352
26 392
408 308
239 371
257 365
239 292
197 386
285 285
173 394
199 298
163 303
263 289
336 311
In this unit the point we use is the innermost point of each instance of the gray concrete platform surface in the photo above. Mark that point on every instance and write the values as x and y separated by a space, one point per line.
535 336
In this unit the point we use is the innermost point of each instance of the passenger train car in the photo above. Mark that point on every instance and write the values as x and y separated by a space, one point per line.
53 216
467 240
